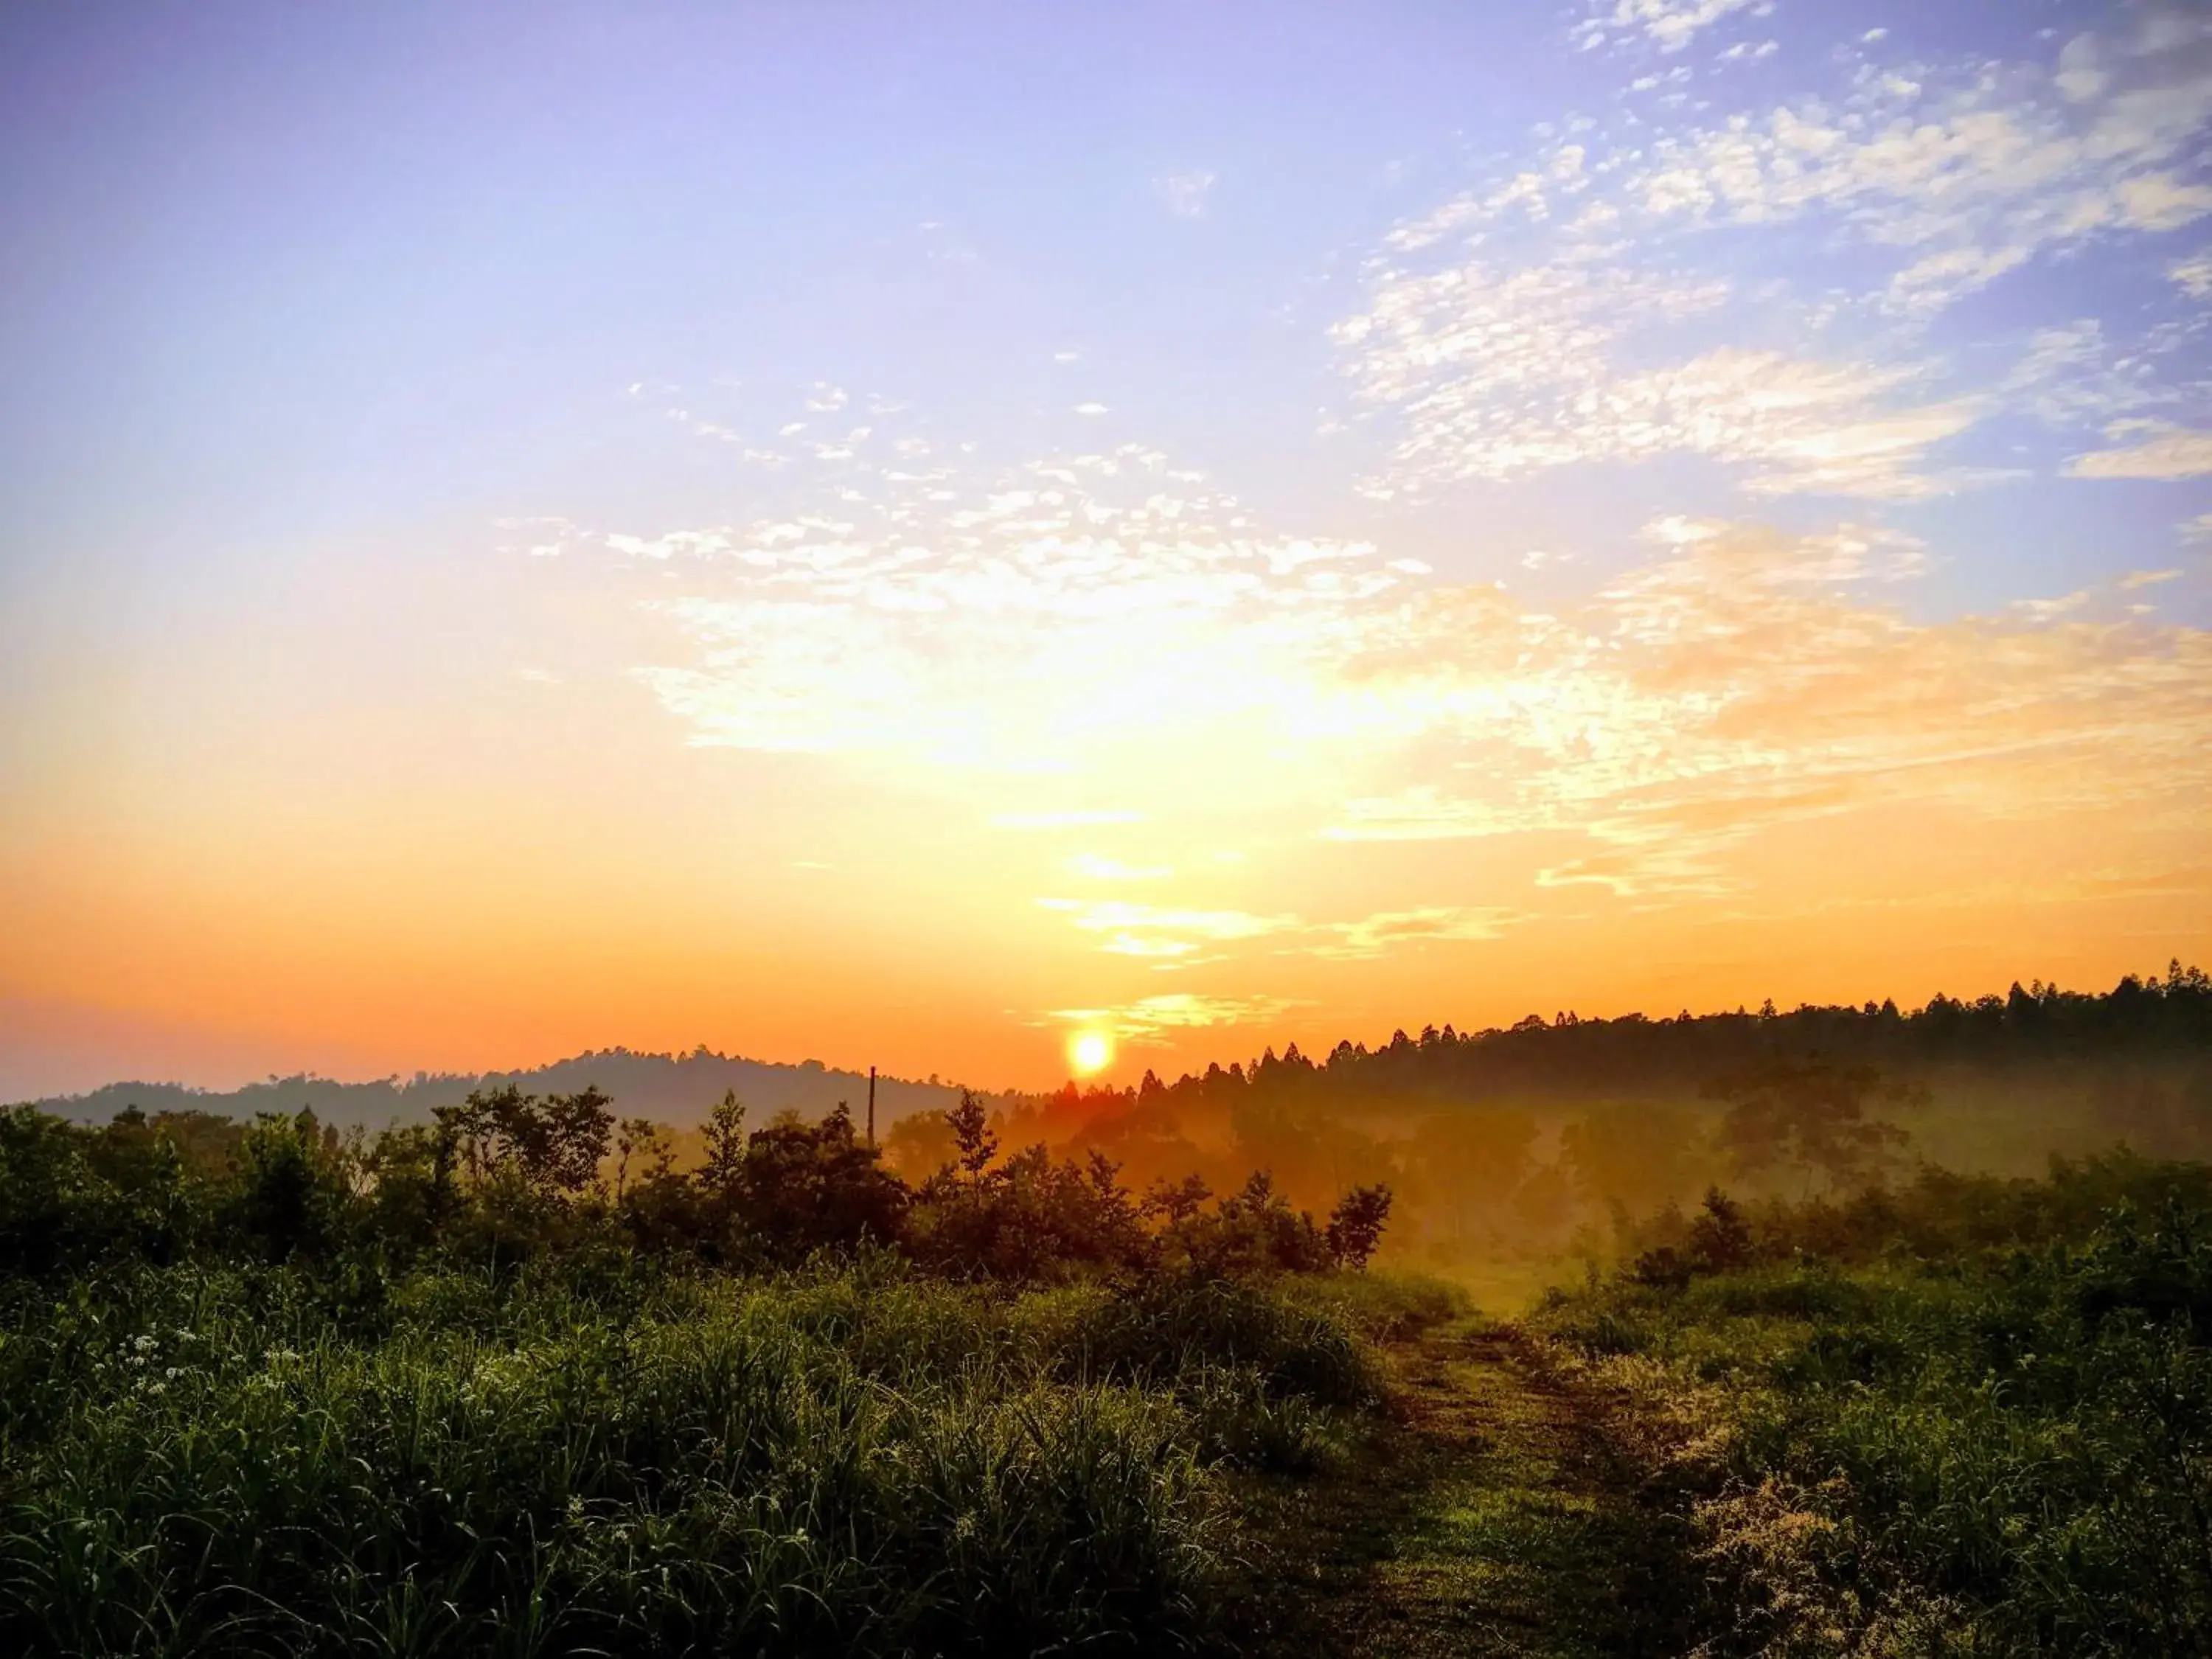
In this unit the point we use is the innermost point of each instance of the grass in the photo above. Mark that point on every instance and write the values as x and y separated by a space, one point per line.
1998 1451
1489 1514
1950 1420
853 1460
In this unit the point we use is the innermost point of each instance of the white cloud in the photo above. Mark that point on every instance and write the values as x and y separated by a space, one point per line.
1496 374
1393 930
1734 687
1092 629
2193 276
1184 194
1098 868
1147 1017
1079 820
1621 297
1670 25
1972 172
2071 375
1017 621
2170 452
1165 931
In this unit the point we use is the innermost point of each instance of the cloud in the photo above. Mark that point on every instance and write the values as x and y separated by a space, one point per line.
1075 820
1617 296
1142 930
1090 639
544 537
1098 868
1118 917
2071 374
1019 621
1148 1016
1419 813
1156 931
1392 930
1970 173
1184 194
1733 689
1496 374
1670 25
2171 451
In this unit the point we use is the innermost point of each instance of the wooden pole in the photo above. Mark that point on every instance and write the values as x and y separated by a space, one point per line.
871 1105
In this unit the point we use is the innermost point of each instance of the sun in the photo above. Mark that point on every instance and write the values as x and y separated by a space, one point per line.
1090 1051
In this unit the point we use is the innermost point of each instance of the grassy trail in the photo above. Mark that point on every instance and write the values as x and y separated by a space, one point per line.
1493 1518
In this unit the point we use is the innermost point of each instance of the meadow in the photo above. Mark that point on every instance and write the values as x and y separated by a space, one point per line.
534 1378
264 1390
1965 1416
847 1459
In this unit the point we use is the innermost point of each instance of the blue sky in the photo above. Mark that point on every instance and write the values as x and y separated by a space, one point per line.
372 367
398 261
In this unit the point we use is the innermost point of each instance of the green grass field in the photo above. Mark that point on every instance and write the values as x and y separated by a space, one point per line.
269 1407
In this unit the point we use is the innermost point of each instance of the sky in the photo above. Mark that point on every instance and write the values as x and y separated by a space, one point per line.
912 536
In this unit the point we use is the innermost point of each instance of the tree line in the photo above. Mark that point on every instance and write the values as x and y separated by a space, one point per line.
2033 1026
508 1176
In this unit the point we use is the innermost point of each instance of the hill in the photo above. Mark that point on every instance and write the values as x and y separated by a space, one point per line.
670 1088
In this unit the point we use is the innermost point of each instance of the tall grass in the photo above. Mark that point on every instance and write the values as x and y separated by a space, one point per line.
852 1460
2005 1450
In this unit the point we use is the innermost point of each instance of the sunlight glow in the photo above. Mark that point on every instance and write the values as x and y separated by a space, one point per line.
1089 1052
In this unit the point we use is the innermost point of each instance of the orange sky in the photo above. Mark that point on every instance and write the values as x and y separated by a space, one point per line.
1212 527
1361 806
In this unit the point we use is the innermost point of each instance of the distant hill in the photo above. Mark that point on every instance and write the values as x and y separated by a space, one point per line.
673 1089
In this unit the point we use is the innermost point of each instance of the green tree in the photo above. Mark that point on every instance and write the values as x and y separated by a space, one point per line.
1808 1116
1355 1226
973 1140
291 1193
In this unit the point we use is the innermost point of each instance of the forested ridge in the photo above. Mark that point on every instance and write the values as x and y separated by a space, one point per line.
2035 1025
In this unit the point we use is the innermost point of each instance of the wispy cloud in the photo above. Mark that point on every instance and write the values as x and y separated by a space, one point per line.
1392 930
1184 194
1147 930
1141 930
1099 868
1616 296
1670 25
1079 819
1149 1018
1109 617
1970 172
2163 452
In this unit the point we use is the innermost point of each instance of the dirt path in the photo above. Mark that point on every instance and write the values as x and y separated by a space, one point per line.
1494 1519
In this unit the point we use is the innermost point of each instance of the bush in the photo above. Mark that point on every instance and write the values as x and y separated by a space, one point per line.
1944 1445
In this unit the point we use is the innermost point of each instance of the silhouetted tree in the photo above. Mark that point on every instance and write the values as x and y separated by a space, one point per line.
817 1185
291 1196
1808 1113
1355 1226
